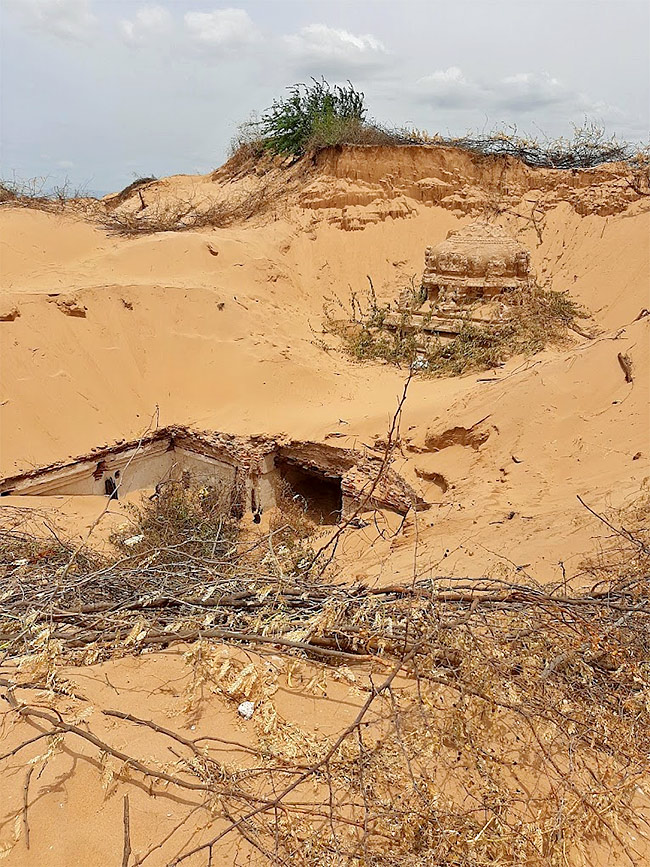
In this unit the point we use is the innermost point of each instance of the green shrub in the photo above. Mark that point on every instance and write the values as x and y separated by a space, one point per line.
316 112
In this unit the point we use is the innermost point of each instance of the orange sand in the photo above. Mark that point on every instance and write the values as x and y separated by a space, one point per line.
153 336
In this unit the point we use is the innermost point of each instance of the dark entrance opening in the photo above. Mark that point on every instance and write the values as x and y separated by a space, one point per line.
318 494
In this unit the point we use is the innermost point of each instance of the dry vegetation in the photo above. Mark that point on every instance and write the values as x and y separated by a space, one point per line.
317 115
504 722
374 331
180 215
35 193
313 117
500 721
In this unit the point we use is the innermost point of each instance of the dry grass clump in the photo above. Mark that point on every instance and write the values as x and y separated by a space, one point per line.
184 519
534 319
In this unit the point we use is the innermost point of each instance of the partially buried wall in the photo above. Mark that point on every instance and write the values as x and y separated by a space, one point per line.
253 471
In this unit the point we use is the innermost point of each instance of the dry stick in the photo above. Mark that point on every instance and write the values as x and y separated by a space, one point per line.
164 840
118 714
126 851
61 726
309 772
392 434
24 744
226 635
26 804
273 857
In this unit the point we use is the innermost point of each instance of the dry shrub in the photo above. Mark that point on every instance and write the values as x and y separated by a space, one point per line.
180 215
588 147
7 194
185 518
535 319
246 152
34 193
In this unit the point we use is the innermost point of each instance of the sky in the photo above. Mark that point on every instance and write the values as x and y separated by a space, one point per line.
100 92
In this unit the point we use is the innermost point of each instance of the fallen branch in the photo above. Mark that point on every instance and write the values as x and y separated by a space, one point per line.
126 848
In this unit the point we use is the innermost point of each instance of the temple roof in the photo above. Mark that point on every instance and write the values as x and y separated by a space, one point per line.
478 254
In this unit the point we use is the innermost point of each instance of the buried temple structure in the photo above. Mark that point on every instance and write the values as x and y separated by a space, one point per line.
475 263
465 278
254 473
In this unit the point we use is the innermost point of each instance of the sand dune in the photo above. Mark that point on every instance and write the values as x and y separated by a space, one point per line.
222 329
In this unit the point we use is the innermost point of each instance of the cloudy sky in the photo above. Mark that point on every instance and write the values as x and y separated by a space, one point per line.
102 91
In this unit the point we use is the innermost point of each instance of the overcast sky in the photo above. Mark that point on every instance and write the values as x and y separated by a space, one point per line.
102 91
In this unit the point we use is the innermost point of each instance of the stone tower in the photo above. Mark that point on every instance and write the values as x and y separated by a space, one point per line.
475 263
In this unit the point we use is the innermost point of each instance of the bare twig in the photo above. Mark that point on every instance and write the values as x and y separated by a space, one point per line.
126 847
26 804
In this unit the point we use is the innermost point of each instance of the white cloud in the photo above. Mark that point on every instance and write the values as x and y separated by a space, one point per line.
149 22
67 19
530 91
520 93
334 50
223 28
447 88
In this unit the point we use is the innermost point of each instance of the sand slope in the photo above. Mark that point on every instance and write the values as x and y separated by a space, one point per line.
107 331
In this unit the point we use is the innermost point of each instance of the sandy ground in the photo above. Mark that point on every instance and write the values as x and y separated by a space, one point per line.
102 332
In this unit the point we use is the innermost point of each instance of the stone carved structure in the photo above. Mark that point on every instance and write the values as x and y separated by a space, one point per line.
253 470
463 281
475 263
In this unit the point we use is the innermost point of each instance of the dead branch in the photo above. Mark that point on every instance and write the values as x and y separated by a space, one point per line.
26 804
126 847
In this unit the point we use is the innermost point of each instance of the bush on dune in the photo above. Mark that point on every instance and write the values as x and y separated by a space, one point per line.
319 115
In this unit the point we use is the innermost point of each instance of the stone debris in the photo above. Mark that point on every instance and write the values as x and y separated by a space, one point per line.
70 305
9 313
246 709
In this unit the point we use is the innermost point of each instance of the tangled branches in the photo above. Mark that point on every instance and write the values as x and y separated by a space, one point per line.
510 724
181 215
589 147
